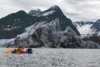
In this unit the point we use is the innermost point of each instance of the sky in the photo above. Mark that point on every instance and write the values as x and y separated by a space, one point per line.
76 10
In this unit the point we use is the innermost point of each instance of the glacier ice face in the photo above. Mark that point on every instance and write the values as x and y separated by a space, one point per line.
48 35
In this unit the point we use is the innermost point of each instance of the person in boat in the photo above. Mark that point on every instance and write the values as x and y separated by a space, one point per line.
19 50
29 51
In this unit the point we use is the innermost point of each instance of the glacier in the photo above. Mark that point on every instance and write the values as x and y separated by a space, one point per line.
47 34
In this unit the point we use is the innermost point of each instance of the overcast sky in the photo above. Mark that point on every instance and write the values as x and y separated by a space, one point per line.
76 10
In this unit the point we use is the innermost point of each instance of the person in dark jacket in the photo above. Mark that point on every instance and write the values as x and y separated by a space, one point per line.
14 51
29 51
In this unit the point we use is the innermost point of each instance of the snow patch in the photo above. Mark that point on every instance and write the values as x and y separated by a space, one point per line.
48 13
85 30
7 29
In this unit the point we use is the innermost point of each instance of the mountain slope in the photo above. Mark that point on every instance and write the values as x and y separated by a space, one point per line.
55 12
96 26
49 28
15 23
84 28
89 30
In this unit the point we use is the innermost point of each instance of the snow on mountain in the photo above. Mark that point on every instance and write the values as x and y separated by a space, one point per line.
90 31
88 28
35 12
57 24
55 12
55 7
47 13
55 32
51 10
85 28
8 29
39 13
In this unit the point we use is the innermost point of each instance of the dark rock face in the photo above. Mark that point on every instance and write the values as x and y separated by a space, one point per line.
96 26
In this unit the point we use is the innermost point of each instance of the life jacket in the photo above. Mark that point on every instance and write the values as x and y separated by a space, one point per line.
19 50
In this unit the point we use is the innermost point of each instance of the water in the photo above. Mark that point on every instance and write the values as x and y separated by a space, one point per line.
52 58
